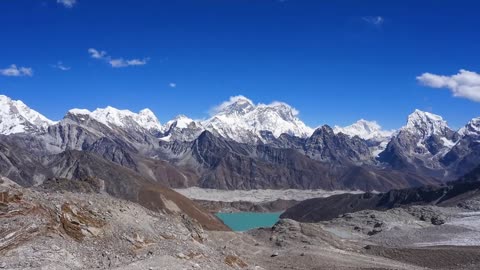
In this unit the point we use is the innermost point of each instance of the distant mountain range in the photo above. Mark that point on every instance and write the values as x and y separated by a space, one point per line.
242 146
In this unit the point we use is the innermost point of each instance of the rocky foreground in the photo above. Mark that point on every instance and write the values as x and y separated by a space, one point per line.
63 230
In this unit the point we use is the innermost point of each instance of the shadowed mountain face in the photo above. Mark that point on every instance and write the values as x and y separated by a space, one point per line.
225 164
451 194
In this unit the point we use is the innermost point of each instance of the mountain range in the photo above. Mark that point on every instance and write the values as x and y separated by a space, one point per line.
241 146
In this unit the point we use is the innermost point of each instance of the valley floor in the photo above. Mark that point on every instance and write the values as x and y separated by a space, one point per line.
257 195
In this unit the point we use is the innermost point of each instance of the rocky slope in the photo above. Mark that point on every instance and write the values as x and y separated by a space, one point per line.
226 164
452 194
93 230
70 230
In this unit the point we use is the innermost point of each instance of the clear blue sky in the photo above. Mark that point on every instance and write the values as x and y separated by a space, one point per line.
335 62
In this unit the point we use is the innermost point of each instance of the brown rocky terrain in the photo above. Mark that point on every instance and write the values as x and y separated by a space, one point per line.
72 229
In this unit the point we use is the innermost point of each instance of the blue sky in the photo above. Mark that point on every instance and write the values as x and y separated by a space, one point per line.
334 61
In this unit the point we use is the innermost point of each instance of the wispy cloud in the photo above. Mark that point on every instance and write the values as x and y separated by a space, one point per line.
465 84
172 85
120 62
61 66
14 71
116 62
67 3
97 54
375 20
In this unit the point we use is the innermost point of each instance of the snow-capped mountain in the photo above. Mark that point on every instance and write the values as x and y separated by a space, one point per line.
112 117
180 121
241 120
182 128
16 117
421 144
471 129
429 132
370 131
425 124
367 130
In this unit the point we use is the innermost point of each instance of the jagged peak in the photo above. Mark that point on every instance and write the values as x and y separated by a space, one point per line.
426 123
180 121
17 117
422 115
235 105
322 130
365 129
239 118
111 116
471 128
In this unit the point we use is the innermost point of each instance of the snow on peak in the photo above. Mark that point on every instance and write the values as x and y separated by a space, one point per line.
279 118
426 124
368 130
241 120
472 128
180 121
237 105
16 117
113 117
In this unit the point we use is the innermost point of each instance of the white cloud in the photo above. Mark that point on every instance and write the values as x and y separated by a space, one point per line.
116 62
465 84
172 85
120 62
14 71
97 54
67 3
375 20
61 66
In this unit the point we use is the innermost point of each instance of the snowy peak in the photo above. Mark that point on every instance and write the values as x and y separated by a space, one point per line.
16 117
147 119
471 129
241 120
282 110
180 121
182 128
279 118
426 124
113 117
368 130
237 105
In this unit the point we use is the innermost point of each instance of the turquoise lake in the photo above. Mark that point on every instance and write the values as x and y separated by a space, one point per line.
244 221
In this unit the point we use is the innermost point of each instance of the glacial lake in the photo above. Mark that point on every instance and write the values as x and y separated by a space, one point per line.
244 221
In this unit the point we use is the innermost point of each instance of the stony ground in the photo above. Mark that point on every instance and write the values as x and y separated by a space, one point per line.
40 230
64 230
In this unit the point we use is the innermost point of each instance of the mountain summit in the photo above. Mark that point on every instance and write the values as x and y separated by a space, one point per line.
113 117
16 117
368 130
242 121
426 124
